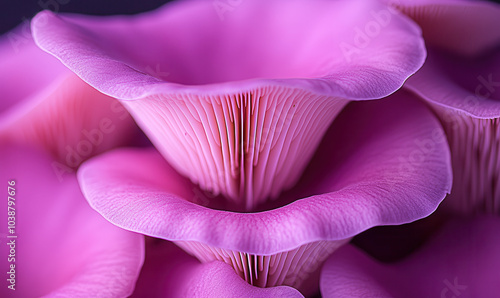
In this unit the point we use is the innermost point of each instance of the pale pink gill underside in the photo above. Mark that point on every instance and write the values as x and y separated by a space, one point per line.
246 146
290 268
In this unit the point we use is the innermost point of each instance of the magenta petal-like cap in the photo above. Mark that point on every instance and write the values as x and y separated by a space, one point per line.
238 98
465 27
46 105
53 243
170 272
461 82
24 69
464 92
393 167
461 260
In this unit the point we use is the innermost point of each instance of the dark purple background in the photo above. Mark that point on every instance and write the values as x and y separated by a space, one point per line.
15 12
